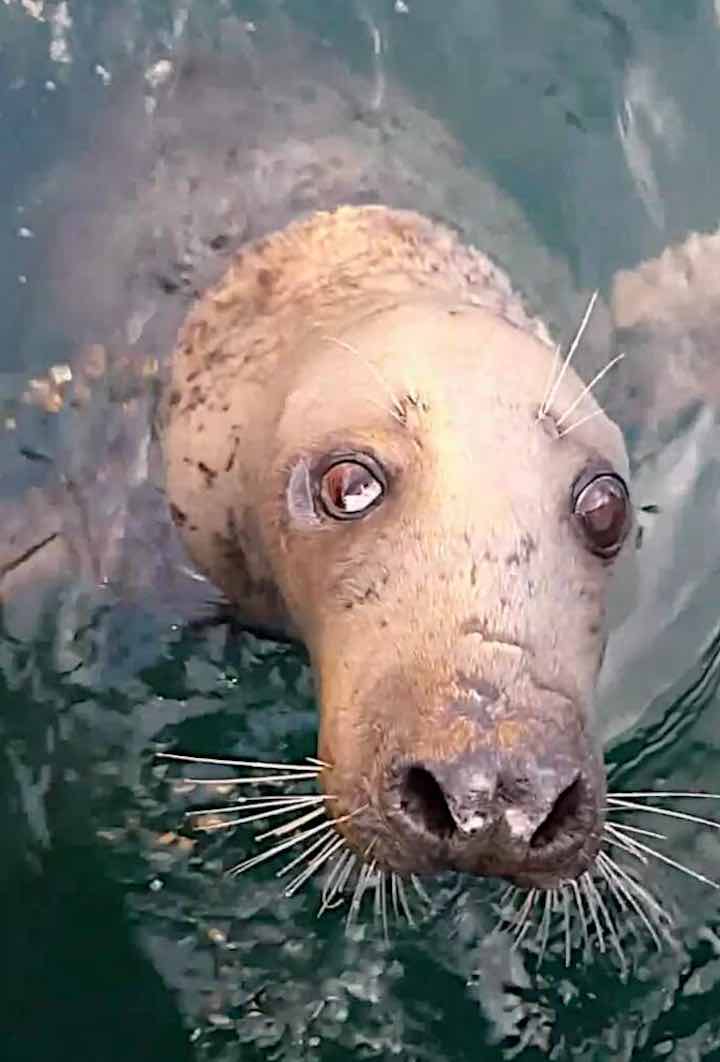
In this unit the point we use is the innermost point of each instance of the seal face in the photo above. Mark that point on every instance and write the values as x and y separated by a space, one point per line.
360 452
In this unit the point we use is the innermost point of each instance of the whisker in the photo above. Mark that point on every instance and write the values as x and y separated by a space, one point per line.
258 803
592 908
394 895
366 872
624 827
663 793
396 407
626 845
259 764
505 894
314 865
262 800
524 917
336 882
612 929
294 824
381 896
268 779
578 423
420 890
258 816
304 854
542 411
573 347
566 923
695 874
588 388
262 857
581 911
402 896
618 879
629 805
644 893
261 809
544 928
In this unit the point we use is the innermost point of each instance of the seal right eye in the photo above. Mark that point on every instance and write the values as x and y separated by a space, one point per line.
348 489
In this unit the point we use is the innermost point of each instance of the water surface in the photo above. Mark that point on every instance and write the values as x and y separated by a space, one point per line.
121 938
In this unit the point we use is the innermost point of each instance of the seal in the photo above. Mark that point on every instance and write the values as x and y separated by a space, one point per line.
367 446
368 450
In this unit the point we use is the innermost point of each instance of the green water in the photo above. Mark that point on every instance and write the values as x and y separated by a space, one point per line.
117 939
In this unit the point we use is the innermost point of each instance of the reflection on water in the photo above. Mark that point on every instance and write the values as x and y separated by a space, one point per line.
588 137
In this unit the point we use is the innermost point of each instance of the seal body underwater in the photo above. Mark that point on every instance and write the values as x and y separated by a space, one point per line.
369 446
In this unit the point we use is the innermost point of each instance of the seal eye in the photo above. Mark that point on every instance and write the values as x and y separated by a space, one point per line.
348 489
602 510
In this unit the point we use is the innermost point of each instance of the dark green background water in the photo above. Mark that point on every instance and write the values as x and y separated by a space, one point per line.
602 120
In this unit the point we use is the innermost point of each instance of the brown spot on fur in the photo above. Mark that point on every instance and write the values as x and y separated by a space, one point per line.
179 518
208 473
233 455
266 279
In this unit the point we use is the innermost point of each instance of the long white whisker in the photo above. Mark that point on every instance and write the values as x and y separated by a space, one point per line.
335 885
663 793
566 922
366 872
396 409
420 890
381 892
573 347
402 896
510 890
581 911
305 854
578 423
258 803
673 863
630 805
619 880
640 890
294 824
612 929
542 411
267 779
588 388
261 765
524 916
255 861
627 845
544 927
331 882
592 908
258 816
326 853
394 896
623 827
262 857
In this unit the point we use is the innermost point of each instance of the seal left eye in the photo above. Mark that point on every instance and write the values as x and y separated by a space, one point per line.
348 489
602 509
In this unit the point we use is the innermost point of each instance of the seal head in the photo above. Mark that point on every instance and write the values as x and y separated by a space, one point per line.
360 455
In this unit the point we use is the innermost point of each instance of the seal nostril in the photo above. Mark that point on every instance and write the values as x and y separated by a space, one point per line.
563 816
422 800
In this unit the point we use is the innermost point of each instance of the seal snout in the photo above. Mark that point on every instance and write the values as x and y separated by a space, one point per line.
533 822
